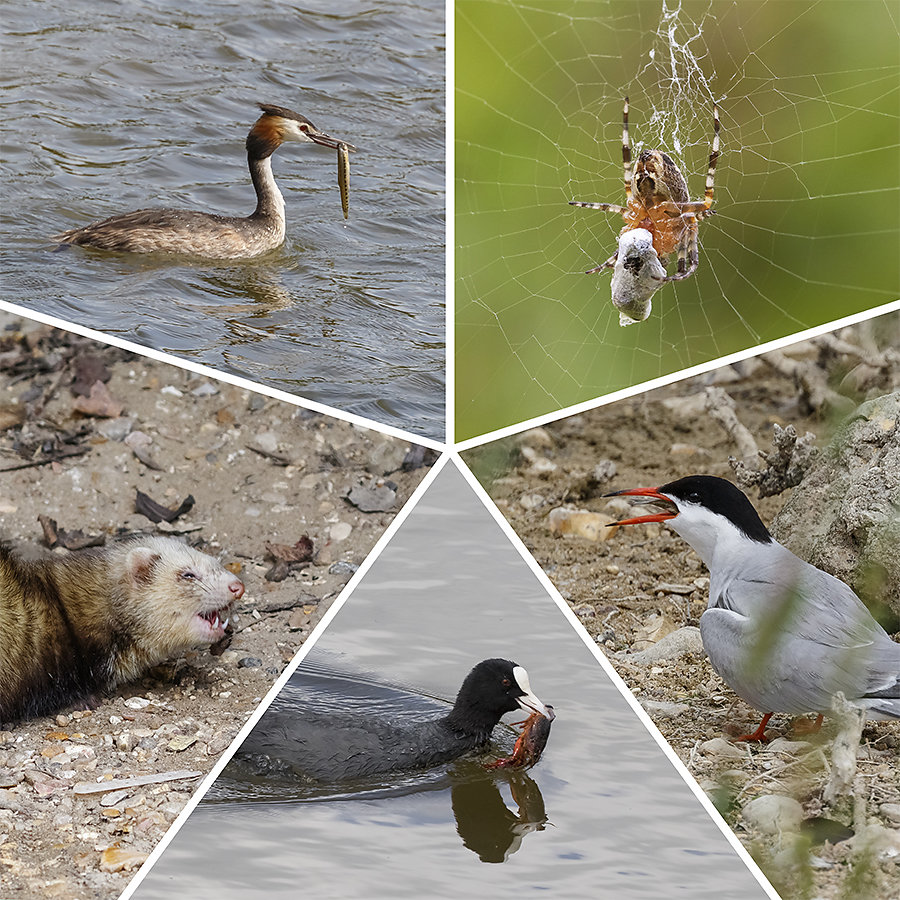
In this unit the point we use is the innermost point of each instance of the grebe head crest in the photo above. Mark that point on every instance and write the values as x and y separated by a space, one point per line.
278 124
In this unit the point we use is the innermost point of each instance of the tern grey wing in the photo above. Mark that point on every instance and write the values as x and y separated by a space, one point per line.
788 645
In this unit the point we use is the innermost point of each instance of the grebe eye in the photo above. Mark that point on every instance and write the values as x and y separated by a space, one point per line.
506 682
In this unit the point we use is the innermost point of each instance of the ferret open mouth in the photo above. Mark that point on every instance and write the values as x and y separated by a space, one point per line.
213 623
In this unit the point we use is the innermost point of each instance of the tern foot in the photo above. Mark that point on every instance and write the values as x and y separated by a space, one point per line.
760 733
805 727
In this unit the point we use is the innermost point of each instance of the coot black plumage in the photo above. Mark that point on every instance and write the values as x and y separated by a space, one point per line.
316 748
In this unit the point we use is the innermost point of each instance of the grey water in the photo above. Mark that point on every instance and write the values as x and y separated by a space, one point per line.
109 107
606 814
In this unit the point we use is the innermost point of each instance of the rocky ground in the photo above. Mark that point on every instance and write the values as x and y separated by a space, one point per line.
640 592
261 473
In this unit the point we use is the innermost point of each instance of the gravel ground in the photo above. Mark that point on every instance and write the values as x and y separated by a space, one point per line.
643 583
57 838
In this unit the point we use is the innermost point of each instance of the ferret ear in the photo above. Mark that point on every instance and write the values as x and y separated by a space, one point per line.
141 562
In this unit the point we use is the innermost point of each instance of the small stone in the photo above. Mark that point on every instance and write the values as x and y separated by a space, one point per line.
612 569
113 798
249 662
531 501
680 589
581 523
116 429
342 568
137 703
672 646
773 814
783 745
182 741
340 531
115 859
891 811
722 748
665 708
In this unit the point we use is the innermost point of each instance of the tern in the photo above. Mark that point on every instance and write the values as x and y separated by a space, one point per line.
783 635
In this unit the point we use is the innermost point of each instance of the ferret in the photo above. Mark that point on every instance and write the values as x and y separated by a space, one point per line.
75 626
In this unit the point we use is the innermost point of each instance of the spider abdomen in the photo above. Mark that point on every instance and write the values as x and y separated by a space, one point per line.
664 221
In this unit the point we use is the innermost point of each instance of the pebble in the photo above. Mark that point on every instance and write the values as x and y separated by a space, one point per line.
137 703
340 531
665 708
891 811
342 568
116 429
722 748
672 646
680 589
531 501
581 523
374 497
115 859
249 662
783 745
113 798
772 814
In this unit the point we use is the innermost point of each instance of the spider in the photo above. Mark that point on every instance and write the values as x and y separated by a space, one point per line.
656 199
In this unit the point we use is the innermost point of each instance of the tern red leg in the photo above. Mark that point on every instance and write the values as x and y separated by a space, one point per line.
804 726
760 733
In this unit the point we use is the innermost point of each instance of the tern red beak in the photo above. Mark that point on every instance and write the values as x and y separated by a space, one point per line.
652 495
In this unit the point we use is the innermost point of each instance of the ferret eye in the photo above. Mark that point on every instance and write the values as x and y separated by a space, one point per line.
187 573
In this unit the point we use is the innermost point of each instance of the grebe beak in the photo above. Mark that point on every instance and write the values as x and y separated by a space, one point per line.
326 140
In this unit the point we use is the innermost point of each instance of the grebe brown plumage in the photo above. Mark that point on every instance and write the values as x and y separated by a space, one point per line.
204 234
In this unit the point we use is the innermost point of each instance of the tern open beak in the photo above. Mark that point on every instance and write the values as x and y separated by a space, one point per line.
647 495
531 703
326 140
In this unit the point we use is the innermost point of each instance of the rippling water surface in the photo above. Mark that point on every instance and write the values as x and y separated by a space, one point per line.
602 815
113 107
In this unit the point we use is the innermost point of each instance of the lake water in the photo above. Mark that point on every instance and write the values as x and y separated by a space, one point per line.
603 814
113 107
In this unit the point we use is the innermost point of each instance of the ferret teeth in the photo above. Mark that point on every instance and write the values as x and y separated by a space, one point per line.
215 622
225 623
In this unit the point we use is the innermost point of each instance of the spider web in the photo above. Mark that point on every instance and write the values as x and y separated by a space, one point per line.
806 229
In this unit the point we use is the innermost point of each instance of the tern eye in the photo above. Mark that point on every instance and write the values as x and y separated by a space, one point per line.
694 497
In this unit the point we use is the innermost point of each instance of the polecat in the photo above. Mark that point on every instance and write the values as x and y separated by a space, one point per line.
74 626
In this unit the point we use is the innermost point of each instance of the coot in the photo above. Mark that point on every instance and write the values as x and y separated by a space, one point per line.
287 740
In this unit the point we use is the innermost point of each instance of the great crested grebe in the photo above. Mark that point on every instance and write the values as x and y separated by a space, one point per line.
204 234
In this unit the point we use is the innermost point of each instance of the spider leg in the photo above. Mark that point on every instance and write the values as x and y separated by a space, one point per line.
688 254
626 153
713 158
609 207
607 265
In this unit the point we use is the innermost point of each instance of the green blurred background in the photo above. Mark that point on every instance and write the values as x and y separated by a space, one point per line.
807 188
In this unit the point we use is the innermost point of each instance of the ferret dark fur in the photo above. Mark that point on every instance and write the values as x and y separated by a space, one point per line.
73 627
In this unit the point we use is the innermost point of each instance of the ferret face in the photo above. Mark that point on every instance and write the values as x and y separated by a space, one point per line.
178 597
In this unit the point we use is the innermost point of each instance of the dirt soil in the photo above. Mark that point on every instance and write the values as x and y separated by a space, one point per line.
643 582
261 471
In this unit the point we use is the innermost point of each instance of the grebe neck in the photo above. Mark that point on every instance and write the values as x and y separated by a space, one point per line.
269 202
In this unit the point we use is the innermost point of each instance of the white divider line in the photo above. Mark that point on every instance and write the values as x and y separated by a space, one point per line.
216 375
289 670
663 380
616 679
450 225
